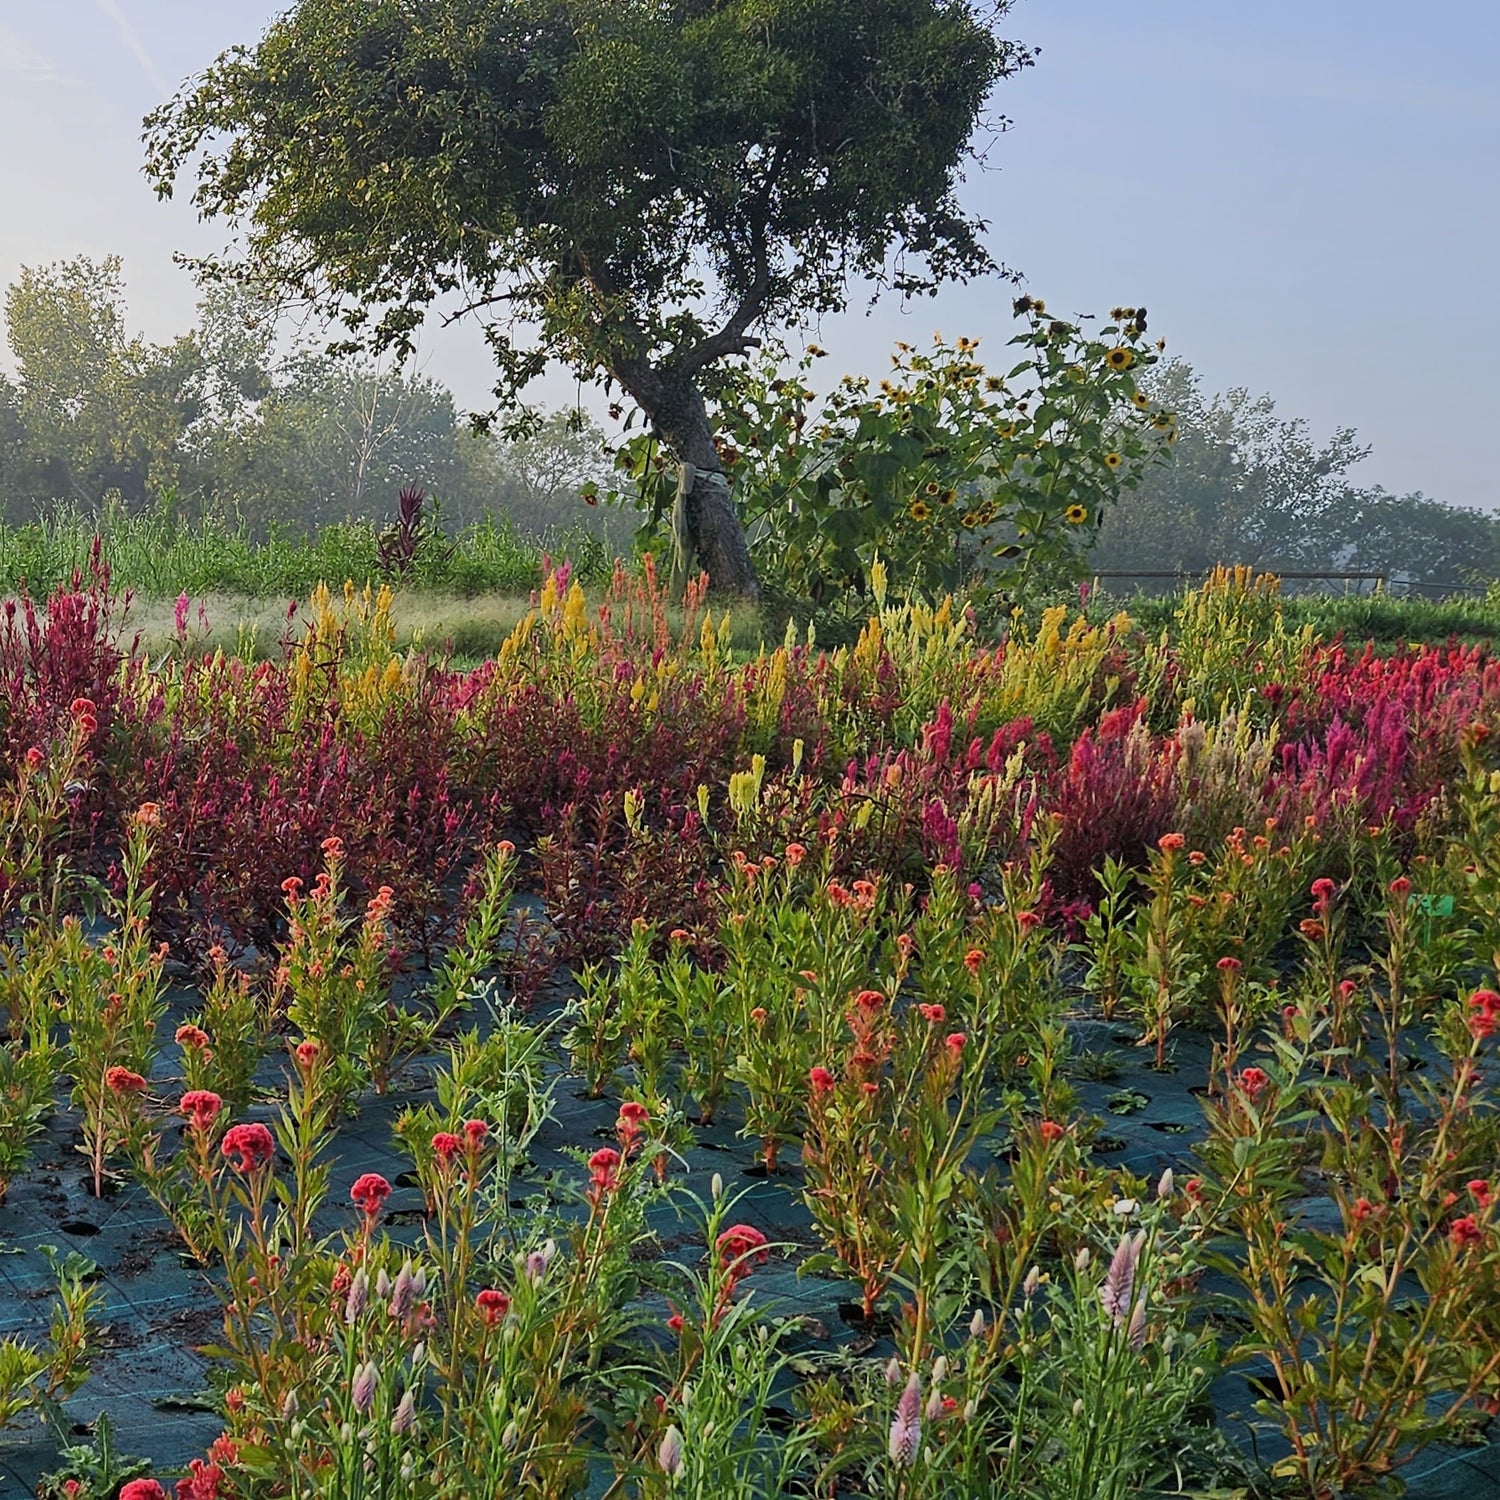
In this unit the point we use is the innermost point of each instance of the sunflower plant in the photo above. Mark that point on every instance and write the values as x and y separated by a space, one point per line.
956 476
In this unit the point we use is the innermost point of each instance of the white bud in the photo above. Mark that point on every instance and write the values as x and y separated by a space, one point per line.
1081 1260
977 1324
669 1454
1164 1185
1124 1207
716 1187
940 1369
893 1371
1078 1407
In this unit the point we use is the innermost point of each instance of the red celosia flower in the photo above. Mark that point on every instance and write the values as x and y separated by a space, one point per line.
446 1145
795 854
1169 842
869 999
974 959
224 1450
307 1053
934 1015
1051 1132
674 1323
1363 1208
1465 1231
493 1304
1312 929
370 1192
142 1489
1193 1188
741 1247
292 884
202 1107
122 1081
202 1482
34 758
1230 966
1322 894
759 1014
476 1132
680 935
1028 921
1486 1018
631 1123
604 1169
1253 1082
81 706
954 1042
190 1036
823 1082
333 847
1482 1191
1400 887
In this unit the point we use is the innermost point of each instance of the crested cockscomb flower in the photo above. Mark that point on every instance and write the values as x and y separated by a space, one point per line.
248 1146
201 1106
369 1193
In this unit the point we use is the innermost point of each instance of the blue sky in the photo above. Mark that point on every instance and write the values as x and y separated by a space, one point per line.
1305 195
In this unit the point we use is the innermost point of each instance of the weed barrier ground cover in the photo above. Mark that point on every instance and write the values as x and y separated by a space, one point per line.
153 1383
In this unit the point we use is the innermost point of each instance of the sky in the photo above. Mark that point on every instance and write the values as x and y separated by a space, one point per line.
1304 193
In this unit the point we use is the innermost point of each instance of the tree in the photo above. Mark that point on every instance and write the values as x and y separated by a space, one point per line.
630 186
541 478
101 411
1244 486
1249 487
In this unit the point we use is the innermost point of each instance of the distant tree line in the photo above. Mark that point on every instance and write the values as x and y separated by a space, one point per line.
1247 486
230 418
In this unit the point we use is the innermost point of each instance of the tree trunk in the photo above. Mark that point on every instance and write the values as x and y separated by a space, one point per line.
709 533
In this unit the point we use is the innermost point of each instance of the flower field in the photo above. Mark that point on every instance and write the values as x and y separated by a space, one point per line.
1057 1068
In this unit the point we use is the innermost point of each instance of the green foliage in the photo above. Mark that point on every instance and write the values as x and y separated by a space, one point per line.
595 165
954 477
163 552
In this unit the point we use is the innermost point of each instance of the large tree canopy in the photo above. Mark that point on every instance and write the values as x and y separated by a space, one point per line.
632 186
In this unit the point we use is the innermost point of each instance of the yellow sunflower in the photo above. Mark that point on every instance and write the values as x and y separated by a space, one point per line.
947 497
1161 421
933 486
920 510
969 521
1076 515
1142 400
1005 431
993 383
1120 358
1112 460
